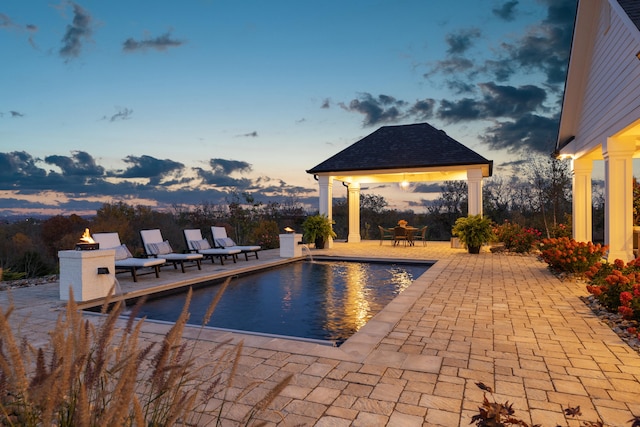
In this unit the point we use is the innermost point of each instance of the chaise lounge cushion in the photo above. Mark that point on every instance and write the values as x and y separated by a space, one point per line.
122 252
225 242
199 245
159 248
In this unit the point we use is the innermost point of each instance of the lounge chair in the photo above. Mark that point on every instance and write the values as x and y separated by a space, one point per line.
196 243
156 246
385 234
124 260
220 240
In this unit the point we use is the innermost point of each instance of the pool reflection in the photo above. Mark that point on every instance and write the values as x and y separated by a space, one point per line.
317 300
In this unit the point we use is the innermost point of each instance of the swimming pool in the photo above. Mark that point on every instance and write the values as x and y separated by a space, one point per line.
320 300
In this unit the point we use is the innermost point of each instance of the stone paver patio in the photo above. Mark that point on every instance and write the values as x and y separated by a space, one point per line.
499 319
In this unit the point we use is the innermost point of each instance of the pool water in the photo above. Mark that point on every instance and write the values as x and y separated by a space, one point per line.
321 300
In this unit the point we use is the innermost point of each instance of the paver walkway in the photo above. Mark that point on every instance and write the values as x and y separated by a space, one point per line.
499 319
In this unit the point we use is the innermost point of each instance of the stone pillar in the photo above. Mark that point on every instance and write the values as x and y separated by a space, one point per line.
474 186
582 204
325 205
90 274
290 245
354 213
618 216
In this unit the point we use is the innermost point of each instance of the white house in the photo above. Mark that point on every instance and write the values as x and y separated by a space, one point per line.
600 118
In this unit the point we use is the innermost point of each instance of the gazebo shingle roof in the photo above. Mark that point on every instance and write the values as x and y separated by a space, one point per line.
404 146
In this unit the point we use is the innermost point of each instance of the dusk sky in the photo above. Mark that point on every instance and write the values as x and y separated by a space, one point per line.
163 102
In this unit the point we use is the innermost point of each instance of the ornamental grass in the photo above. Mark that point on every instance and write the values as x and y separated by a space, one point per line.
98 373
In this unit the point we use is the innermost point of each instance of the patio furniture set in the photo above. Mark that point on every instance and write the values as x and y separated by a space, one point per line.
158 251
403 234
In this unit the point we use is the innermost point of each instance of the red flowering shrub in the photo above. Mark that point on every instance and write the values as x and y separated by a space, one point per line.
568 255
517 238
617 287
560 230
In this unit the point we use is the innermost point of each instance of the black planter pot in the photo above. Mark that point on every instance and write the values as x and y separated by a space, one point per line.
319 243
474 249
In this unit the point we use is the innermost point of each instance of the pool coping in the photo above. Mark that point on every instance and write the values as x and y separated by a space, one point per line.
363 346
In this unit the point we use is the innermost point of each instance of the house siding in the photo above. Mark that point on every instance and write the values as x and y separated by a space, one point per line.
611 100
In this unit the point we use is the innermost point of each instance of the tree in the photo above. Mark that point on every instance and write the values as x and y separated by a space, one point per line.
550 181
62 233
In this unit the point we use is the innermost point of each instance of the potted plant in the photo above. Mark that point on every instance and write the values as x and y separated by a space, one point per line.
473 231
318 229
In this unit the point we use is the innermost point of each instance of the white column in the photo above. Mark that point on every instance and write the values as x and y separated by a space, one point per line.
474 186
354 213
618 215
582 201
325 204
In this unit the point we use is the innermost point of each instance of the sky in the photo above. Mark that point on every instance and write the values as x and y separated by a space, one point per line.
163 103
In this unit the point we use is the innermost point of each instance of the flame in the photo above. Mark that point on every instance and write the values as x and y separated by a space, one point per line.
86 237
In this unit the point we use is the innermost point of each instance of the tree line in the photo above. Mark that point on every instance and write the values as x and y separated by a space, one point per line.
537 194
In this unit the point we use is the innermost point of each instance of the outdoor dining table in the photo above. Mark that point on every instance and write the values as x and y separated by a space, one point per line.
411 231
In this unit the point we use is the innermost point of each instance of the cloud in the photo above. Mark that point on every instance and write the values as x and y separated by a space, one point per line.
227 167
380 109
78 31
424 187
149 167
83 186
523 116
7 23
506 11
19 168
253 134
545 47
326 103
16 114
220 174
453 65
422 109
160 43
460 42
498 101
387 109
528 132
222 180
122 114
465 109
80 163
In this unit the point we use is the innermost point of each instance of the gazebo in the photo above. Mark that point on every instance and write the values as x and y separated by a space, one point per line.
404 153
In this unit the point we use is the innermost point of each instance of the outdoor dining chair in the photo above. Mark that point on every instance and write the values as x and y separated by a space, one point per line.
385 234
400 235
421 235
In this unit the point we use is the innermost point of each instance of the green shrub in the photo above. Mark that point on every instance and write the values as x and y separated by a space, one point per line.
9 274
473 230
266 234
517 238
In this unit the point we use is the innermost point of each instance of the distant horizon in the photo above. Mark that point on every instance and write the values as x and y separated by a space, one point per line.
185 103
